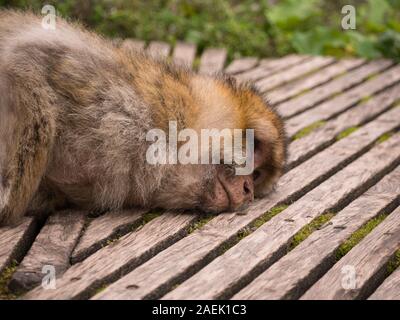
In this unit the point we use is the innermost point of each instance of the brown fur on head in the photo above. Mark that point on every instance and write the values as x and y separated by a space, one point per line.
75 112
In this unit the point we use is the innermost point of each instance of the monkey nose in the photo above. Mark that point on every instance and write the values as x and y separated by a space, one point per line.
241 192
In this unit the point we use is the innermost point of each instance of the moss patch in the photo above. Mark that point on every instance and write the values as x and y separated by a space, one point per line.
346 132
200 223
147 217
384 137
394 263
268 216
5 277
357 236
307 130
365 99
307 230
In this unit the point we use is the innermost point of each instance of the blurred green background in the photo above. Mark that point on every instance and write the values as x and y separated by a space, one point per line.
245 28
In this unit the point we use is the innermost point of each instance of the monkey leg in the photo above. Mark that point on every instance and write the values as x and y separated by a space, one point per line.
26 138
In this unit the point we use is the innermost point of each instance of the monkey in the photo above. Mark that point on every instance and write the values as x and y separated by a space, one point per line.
75 111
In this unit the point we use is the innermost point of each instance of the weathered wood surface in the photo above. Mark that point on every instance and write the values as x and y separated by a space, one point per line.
327 170
15 241
133 45
321 137
118 258
241 65
184 54
105 228
342 102
389 290
336 86
159 49
292 275
212 61
224 276
53 247
292 73
317 78
270 67
368 260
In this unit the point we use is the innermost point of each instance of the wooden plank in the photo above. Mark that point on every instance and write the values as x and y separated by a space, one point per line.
294 273
270 67
368 259
105 228
16 240
53 246
212 60
306 83
303 148
389 289
180 261
292 73
342 102
118 258
241 65
158 49
338 85
224 275
184 54
132 45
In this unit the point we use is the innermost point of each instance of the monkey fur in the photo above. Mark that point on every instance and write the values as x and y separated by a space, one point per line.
74 113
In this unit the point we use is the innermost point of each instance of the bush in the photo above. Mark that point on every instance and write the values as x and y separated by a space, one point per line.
248 28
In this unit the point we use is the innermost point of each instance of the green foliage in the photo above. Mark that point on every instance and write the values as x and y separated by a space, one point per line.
246 27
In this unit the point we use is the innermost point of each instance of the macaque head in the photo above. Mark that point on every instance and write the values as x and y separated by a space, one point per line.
224 108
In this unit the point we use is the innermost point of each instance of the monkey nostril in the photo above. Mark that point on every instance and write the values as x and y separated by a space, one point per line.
246 188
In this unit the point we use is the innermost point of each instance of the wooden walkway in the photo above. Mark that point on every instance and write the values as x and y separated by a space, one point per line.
331 230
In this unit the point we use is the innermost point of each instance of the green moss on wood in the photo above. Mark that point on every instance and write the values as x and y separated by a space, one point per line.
200 223
268 216
384 137
394 263
307 130
307 230
357 236
5 277
346 132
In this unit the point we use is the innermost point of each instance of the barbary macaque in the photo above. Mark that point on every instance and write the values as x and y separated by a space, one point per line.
75 112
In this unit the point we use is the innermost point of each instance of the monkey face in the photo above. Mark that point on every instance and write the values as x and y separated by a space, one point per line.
223 104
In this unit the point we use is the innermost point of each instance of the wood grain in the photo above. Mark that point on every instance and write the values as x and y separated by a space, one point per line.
179 261
132 45
241 65
318 139
369 259
336 86
16 240
342 102
159 49
296 87
389 289
294 273
292 73
184 54
117 258
270 67
105 228
212 61
53 246
226 275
